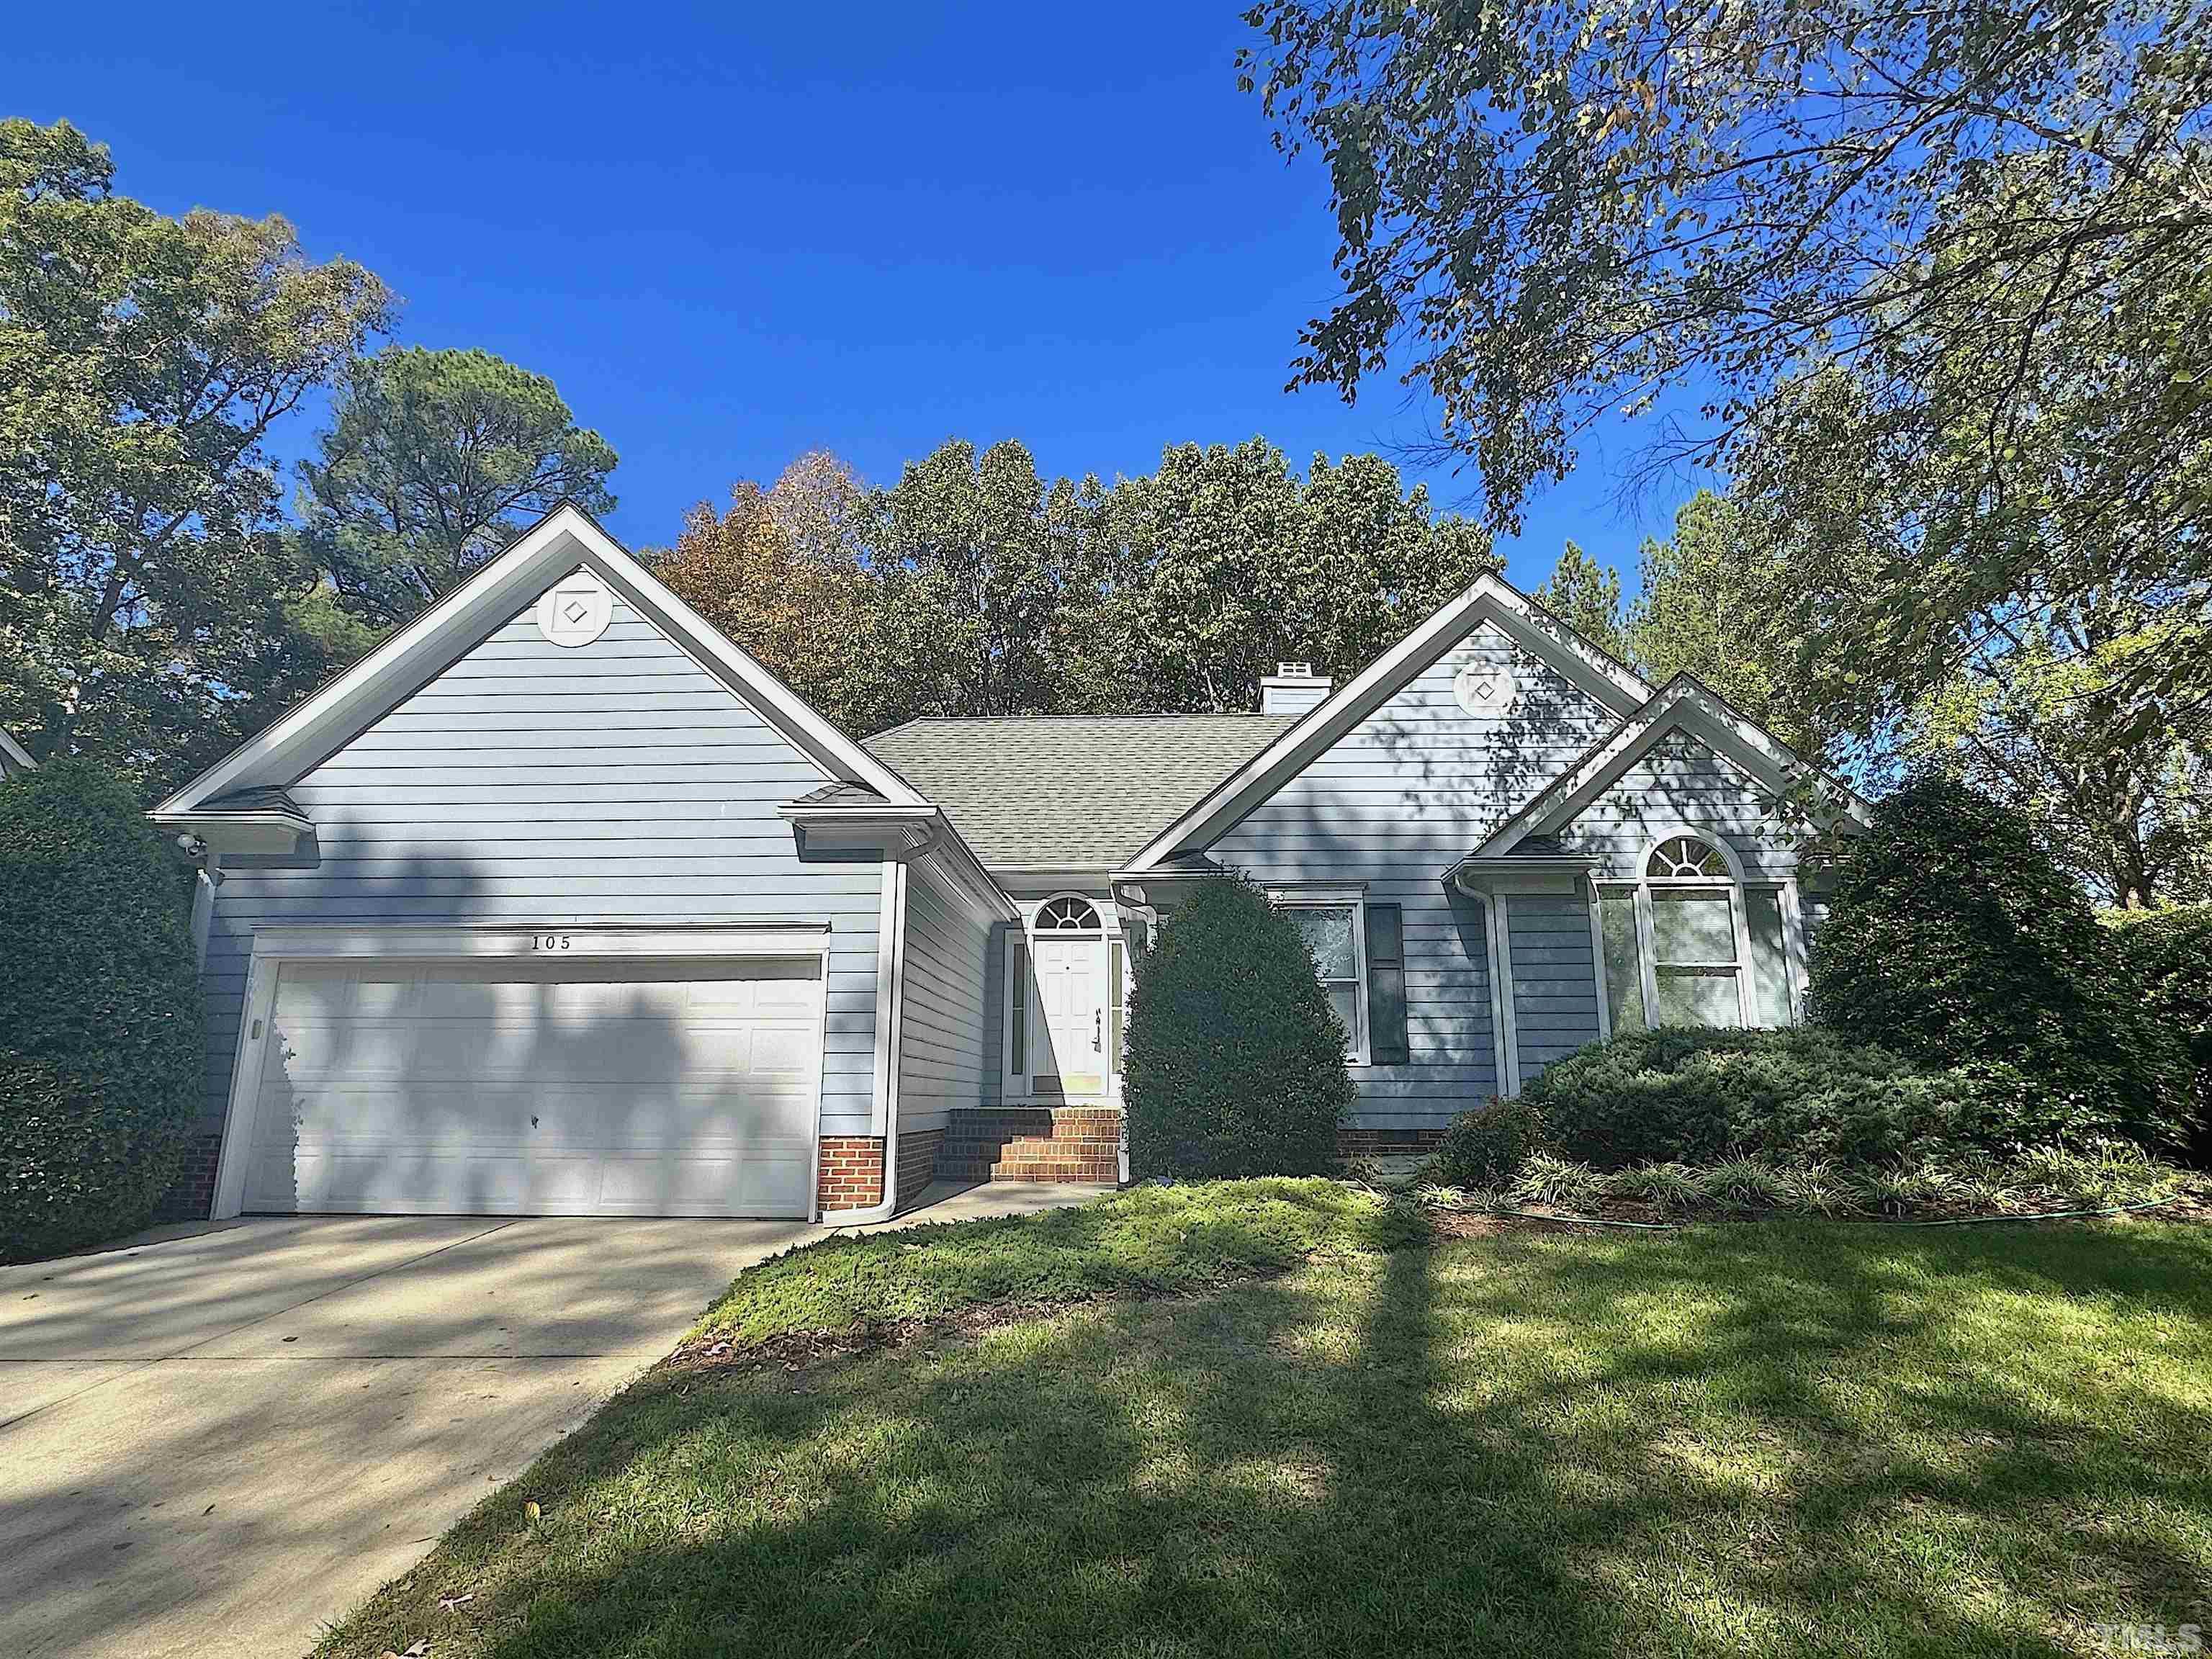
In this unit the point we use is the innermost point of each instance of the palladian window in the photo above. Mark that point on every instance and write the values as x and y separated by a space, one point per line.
1694 944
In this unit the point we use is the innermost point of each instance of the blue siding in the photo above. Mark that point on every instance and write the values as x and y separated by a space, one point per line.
1554 981
1682 783
1393 805
941 1023
538 785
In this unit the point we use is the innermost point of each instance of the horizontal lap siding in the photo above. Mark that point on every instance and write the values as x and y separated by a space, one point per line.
1682 784
1554 981
1393 805
941 1021
541 787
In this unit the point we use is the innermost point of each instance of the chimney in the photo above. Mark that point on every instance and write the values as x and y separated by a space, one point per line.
1292 688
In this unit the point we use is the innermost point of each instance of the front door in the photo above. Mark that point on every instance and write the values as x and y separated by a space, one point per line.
1071 1023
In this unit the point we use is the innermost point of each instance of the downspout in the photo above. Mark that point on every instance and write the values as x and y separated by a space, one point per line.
887 1207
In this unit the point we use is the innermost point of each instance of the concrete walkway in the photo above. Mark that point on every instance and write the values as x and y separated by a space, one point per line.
217 1440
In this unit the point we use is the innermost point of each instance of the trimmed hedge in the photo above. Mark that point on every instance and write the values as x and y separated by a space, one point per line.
1487 1146
1234 1061
2169 954
1700 1097
1951 937
99 1026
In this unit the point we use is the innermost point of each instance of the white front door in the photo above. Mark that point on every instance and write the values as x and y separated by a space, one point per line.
1071 1008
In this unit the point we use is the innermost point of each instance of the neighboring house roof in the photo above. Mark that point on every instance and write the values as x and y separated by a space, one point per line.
14 758
1070 792
565 539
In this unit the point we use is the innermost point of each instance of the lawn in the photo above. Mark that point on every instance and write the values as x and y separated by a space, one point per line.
1784 1438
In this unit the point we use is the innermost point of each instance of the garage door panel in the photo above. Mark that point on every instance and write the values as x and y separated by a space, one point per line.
540 1089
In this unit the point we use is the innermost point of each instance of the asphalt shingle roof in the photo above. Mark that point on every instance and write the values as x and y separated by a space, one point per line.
1069 791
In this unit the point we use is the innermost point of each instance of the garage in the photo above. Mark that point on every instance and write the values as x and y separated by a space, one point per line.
534 1086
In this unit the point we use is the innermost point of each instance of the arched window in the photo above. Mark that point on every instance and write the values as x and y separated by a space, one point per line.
1692 943
1070 914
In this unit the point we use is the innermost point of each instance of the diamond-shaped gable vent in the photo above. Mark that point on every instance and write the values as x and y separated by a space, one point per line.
576 610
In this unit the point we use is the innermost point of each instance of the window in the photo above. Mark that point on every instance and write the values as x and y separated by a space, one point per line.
1332 928
1068 915
1692 944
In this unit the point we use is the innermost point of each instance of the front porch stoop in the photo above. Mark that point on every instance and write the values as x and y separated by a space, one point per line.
1059 1144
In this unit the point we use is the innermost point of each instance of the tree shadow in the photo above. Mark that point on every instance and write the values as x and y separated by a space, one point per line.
1820 1440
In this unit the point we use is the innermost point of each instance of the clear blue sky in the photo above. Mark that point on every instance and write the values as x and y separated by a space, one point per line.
734 233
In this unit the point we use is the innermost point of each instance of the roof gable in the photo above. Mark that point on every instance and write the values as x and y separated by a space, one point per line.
1683 703
566 539
1490 601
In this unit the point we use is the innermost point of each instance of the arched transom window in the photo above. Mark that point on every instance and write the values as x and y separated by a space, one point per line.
1692 943
1070 914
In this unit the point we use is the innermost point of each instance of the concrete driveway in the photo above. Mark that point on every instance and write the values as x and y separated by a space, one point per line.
218 1444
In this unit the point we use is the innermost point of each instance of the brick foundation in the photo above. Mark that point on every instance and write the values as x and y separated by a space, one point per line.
1080 1143
918 1151
1387 1143
852 1172
191 1194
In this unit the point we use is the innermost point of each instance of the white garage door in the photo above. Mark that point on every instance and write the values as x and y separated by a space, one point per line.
621 1088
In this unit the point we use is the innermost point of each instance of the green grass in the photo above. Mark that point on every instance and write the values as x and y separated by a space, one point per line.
1773 1438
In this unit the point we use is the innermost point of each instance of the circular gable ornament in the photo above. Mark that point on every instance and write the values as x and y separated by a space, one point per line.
1484 688
576 610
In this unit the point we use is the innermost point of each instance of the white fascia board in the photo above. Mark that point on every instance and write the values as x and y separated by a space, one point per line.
19 758
1489 600
920 834
563 539
241 832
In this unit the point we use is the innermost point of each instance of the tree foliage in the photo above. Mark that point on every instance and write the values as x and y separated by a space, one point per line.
99 1017
1939 279
144 359
1953 938
1586 596
433 463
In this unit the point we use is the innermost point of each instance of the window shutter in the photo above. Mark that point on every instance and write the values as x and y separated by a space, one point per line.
1387 1044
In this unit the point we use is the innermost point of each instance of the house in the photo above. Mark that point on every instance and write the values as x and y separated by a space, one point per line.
558 901
14 758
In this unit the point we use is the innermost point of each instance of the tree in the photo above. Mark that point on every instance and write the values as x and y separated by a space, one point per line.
142 360
989 576
436 461
782 575
1705 608
1229 564
1976 216
1586 596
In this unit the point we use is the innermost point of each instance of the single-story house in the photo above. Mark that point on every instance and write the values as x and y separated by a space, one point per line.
558 901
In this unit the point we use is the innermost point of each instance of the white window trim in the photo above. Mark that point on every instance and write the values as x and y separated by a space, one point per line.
1333 898
1736 884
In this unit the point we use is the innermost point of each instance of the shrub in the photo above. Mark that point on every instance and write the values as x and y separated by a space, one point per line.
100 1030
1487 1146
1953 938
1702 1096
1234 1061
2168 955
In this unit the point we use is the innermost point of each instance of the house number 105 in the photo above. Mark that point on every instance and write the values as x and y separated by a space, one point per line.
550 941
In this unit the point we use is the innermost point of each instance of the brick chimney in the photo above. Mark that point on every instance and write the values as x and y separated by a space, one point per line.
1292 688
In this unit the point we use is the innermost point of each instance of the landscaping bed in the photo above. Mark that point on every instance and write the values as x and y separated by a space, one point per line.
1251 1418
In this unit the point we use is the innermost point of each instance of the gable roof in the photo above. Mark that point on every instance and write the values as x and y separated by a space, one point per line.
1070 792
1491 600
563 540
1683 703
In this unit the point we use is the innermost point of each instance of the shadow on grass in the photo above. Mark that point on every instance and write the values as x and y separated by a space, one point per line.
1807 1438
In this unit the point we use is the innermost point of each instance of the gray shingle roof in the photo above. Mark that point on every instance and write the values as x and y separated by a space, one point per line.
840 794
1069 791
255 800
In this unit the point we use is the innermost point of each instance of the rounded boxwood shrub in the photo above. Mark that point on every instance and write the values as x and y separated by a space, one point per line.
1953 938
100 1028
2168 954
1234 1062
1698 1096
1487 1147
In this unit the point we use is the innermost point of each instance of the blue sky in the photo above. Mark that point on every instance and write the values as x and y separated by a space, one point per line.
732 233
